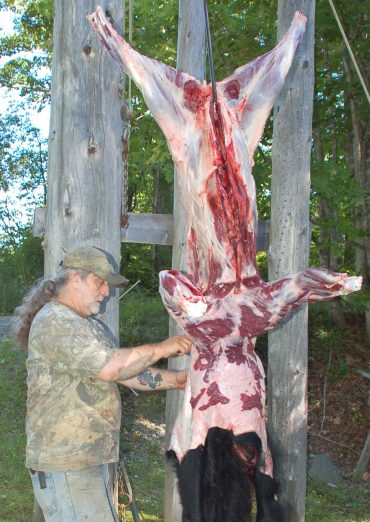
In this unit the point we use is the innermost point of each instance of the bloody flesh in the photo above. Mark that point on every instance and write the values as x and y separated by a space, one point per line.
222 302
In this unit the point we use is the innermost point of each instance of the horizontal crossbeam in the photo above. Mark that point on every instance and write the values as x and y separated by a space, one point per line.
151 229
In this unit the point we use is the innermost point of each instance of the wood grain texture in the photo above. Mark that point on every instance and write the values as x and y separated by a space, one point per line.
151 229
289 252
191 56
85 149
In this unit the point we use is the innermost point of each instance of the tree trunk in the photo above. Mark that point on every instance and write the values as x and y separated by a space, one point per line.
361 170
191 59
85 165
289 251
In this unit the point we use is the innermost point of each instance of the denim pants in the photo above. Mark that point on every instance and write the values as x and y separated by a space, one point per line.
75 496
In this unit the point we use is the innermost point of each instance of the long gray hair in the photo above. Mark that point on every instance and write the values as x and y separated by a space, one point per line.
39 295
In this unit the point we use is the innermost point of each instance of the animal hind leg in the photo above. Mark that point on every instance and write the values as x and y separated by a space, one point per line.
189 474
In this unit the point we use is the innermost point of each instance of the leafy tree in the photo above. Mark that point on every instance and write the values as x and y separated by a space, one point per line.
22 189
28 50
23 157
20 267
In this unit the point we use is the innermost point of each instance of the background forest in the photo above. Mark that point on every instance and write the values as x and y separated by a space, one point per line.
241 30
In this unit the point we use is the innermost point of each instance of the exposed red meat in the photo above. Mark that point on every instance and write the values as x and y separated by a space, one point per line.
222 302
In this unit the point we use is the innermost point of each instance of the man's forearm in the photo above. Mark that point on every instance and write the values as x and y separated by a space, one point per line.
152 379
129 362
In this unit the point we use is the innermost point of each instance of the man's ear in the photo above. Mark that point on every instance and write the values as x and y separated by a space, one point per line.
75 279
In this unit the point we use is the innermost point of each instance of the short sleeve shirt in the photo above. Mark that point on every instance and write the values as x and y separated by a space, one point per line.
73 420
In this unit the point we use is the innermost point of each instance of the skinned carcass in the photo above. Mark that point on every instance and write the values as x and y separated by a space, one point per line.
222 302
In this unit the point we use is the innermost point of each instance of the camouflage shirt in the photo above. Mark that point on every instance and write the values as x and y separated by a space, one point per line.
72 420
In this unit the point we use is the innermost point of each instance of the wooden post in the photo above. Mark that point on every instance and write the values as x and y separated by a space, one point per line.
289 252
191 56
84 171
37 514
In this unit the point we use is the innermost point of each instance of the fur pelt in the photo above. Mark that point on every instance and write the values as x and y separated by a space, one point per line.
218 481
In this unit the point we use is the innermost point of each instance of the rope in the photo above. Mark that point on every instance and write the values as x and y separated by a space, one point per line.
125 490
210 56
130 18
350 50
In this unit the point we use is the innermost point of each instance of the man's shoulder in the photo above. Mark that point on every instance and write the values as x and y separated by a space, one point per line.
54 315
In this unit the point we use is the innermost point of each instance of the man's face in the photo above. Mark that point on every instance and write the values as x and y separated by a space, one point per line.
91 292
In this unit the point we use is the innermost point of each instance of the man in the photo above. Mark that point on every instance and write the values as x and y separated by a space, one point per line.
73 405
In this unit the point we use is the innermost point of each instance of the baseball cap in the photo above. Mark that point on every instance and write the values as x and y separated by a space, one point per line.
93 260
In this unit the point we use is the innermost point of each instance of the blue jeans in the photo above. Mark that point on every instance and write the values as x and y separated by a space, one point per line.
75 496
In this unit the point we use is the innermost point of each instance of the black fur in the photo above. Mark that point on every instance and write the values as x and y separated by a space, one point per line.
216 485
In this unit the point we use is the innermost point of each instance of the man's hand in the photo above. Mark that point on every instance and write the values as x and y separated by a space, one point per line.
177 345
181 378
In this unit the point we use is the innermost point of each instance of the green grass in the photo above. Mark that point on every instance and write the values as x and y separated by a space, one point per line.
143 319
143 451
16 497
343 503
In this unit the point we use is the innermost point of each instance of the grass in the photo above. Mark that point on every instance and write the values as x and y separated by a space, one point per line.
344 503
15 486
143 452
142 320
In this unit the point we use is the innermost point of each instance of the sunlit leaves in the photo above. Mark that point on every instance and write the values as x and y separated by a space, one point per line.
29 50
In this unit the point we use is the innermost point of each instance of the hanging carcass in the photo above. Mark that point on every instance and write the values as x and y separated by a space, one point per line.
219 439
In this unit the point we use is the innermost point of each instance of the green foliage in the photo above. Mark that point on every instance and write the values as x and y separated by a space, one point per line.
241 31
331 343
340 114
20 266
144 262
333 220
341 503
28 50
23 156
23 188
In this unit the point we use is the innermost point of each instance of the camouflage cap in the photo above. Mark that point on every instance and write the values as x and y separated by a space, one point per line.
93 260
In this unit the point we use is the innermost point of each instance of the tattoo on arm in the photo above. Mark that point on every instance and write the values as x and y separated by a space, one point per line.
146 378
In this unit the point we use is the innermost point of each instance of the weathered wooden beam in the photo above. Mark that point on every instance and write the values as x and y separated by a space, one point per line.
152 229
39 222
288 254
364 457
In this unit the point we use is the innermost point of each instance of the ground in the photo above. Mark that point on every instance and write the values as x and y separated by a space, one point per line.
338 417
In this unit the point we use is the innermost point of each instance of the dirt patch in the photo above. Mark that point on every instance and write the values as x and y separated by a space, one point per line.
338 416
